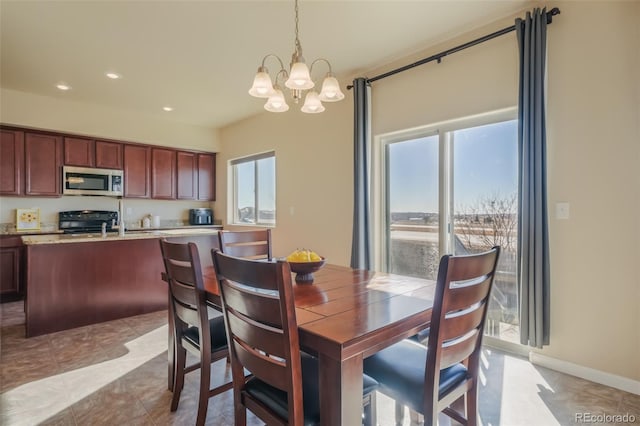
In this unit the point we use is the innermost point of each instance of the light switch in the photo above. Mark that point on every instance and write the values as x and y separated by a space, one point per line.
562 211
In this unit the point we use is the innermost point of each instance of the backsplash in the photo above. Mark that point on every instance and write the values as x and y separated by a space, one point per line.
171 212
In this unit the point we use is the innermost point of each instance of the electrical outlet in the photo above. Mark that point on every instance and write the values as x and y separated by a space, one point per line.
562 211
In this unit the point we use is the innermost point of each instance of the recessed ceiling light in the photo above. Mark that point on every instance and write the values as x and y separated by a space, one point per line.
167 108
63 86
113 75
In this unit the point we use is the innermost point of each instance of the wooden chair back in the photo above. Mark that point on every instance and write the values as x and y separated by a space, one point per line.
184 275
255 244
457 324
262 332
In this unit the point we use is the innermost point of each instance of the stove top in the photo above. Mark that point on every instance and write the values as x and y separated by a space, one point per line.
86 221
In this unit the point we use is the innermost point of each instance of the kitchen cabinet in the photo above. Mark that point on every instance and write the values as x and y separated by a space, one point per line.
163 174
11 162
137 171
187 176
85 152
108 155
206 177
79 152
11 268
43 160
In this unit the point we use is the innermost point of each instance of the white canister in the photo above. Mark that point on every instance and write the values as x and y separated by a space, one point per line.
146 222
155 221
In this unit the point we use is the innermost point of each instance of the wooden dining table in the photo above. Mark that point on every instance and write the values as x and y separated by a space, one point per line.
345 315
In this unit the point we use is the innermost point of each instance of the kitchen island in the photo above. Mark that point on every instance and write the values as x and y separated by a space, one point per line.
77 280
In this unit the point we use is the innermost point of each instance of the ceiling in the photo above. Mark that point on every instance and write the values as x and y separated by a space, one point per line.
200 56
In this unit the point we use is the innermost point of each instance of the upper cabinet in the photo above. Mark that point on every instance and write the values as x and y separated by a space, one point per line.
137 171
108 155
85 152
43 159
163 174
187 176
79 152
206 177
11 162
31 164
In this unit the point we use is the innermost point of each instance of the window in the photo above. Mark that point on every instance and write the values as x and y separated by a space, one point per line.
253 189
452 188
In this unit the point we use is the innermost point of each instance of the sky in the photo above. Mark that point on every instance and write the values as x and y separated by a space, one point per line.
485 164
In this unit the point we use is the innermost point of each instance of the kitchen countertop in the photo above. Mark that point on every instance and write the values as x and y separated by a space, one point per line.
111 236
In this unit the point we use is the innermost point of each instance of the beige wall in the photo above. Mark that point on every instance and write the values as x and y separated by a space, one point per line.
29 110
594 158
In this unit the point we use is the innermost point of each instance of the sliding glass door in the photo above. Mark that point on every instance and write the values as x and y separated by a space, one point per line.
453 189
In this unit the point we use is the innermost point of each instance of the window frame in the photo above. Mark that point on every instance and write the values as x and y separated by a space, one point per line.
379 195
232 187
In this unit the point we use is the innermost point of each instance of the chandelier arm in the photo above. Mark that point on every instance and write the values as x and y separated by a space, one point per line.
321 60
284 74
275 56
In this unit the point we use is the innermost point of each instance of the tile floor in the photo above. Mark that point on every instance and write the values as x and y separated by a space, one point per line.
115 373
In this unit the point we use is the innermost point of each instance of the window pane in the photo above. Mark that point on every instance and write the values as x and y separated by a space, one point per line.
267 190
485 179
413 234
245 192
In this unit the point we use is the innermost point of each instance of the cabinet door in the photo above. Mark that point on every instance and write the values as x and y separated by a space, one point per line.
108 155
11 162
43 158
79 152
137 167
207 177
163 174
9 272
187 176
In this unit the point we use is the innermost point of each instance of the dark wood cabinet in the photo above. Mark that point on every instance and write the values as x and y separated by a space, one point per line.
187 176
11 162
137 171
43 159
163 174
108 155
11 269
206 177
79 152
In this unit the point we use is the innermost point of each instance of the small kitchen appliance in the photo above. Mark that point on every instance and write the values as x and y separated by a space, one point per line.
86 221
201 217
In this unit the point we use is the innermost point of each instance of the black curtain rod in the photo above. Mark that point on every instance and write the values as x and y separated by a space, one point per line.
438 56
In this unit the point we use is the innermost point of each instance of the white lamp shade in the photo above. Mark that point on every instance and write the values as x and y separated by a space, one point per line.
262 86
312 104
276 102
299 77
331 90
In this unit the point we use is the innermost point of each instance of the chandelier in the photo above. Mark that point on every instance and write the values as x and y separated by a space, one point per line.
298 80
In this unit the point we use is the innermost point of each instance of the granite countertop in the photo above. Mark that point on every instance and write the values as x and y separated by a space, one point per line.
129 235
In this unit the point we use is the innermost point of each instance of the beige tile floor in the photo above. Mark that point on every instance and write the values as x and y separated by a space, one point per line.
115 373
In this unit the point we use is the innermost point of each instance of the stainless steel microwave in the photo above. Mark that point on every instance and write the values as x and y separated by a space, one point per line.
90 181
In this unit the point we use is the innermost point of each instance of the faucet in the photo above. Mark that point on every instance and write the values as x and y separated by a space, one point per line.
104 229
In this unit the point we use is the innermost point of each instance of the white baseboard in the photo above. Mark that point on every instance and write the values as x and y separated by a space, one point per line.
597 376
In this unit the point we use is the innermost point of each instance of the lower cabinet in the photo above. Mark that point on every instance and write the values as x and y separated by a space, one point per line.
11 269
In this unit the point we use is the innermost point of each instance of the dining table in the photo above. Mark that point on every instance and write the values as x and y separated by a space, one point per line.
343 316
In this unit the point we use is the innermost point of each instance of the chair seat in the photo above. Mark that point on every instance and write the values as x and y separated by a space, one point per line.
217 330
422 336
404 379
276 399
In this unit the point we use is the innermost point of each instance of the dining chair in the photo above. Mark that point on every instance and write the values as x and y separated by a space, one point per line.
196 329
254 244
431 379
260 317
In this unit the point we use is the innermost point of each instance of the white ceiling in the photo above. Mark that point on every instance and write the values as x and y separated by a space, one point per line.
200 56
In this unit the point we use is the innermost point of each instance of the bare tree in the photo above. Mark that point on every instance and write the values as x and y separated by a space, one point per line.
490 220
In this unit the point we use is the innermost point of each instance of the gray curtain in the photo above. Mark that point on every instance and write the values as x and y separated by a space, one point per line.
533 232
361 238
